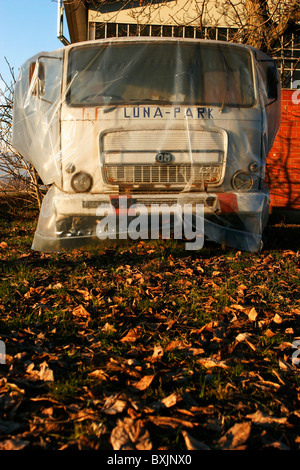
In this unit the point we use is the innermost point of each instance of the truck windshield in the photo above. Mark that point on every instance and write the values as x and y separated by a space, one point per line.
176 72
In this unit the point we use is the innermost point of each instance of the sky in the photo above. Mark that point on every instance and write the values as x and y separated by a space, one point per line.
26 28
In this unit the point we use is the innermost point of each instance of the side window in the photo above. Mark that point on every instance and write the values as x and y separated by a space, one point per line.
45 77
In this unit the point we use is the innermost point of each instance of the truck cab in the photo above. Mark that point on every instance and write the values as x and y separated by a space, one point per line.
150 121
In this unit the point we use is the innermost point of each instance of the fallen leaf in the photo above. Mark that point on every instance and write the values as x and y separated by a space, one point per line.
98 374
260 418
80 311
114 405
13 444
235 437
176 344
211 362
252 314
3 245
283 365
237 307
277 319
133 335
45 373
130 434
158 352
107 328
169 422
170 400
192 443
58 285
242 337
144 383
269 333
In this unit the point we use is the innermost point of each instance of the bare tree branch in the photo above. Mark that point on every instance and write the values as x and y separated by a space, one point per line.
17 176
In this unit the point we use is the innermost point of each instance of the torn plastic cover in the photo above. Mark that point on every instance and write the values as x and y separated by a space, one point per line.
139 122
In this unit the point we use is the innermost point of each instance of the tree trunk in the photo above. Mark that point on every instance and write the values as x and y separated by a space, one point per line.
258 24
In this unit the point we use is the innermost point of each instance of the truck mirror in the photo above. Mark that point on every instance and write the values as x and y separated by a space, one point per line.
272 82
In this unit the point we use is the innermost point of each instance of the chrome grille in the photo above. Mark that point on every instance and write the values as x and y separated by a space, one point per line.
163 174
208 201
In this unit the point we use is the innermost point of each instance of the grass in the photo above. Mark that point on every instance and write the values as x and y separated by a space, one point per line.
103 321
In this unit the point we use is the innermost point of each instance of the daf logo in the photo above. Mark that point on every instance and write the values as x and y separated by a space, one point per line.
164 157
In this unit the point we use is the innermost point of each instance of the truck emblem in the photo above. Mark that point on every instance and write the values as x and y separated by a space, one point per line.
164 157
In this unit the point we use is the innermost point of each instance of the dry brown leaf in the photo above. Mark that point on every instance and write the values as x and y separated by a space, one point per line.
13 444
252 314
3 245
169 422
80 312
84 415
269 333
296 311
99 374
170 400
235 437
211 362
283 365
133 335
119 438
176 344
242 337
277 319
107 328
130 434
144 383
45 373
192 443
237 307
158 352
260 418
114 405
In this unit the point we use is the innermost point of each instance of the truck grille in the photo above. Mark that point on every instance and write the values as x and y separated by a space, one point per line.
198 157
163 174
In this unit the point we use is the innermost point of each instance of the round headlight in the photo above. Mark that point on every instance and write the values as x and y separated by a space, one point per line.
242 181
82 182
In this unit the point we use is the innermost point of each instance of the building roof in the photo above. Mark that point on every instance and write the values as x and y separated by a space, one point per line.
77 19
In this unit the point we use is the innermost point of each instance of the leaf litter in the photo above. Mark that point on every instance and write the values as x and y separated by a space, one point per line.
149 347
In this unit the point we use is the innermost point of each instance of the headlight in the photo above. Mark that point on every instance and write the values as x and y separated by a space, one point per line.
242 181
82 182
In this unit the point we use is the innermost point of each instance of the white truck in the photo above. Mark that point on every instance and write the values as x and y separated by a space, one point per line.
149 121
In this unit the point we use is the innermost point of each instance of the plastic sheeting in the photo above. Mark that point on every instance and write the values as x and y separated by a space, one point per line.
119 127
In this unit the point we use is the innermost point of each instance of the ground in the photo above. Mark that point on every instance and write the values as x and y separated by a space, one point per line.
149 346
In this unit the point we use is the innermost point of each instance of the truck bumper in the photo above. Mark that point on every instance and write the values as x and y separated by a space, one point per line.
70 221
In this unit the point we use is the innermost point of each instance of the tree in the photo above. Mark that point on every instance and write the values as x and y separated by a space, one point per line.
259 23
17 176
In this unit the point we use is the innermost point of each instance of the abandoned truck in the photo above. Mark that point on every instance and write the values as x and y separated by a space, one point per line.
148 121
